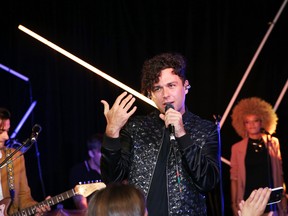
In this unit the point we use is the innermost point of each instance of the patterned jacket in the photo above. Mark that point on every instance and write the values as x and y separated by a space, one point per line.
135 153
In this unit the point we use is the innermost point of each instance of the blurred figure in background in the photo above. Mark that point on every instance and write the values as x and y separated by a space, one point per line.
87 171
255 160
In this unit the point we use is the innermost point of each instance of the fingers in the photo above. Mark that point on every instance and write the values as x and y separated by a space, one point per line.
259 196
252 196
262 202
40 210
259 199
264 195
256 202
132 111
162 116
106 106
119 100
239 213
173 117
255 197
241 204
118 114
126 103
267 193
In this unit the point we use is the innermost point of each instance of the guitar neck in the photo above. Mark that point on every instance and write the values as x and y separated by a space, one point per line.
49 202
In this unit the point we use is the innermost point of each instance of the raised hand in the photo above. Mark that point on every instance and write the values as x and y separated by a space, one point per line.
119 113
255 204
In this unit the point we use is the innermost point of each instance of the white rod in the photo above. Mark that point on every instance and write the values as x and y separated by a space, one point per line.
249 69
281 96
251 65
86 65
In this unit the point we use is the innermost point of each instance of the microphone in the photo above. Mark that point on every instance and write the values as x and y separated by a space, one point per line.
262 130
170 126
35 132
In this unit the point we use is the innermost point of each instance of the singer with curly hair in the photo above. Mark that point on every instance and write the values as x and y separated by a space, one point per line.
256 159
171 154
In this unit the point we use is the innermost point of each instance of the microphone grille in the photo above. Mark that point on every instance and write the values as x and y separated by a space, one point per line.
36 128
168 106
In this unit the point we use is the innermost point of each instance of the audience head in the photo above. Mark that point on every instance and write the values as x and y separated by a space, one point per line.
117 200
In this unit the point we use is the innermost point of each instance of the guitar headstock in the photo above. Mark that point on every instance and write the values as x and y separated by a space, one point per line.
87 189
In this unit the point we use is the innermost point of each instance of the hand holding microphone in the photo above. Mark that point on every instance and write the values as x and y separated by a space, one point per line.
173 120
170 126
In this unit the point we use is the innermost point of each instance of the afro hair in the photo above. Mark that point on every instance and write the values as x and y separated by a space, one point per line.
253 106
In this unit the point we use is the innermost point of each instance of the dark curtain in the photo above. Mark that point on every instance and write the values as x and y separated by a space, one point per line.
218 38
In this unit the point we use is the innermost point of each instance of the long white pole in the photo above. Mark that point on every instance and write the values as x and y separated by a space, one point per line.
272 24
247 72
281 96
86 65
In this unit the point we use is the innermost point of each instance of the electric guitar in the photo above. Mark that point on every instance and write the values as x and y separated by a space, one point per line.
84 190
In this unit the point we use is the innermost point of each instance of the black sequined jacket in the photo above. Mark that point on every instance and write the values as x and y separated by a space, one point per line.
133 156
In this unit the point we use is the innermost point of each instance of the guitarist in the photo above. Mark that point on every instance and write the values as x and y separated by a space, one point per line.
14 184
87 171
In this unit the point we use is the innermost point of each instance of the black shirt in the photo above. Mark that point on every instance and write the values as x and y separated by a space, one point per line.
258 168
157 200
82 173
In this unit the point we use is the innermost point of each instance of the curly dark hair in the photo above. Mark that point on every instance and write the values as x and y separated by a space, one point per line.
4 113
152 67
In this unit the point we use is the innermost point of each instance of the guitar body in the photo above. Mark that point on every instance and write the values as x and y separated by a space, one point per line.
84 190
4 206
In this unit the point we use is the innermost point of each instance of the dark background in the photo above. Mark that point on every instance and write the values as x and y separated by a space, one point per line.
218 38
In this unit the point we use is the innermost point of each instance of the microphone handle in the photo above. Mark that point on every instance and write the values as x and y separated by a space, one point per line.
171 129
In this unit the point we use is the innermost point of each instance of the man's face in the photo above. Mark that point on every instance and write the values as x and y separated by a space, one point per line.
95 155
169 89
4 129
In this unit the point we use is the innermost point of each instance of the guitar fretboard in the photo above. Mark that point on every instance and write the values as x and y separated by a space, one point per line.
49 202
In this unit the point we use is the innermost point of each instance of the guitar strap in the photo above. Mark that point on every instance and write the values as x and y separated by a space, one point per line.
10 175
